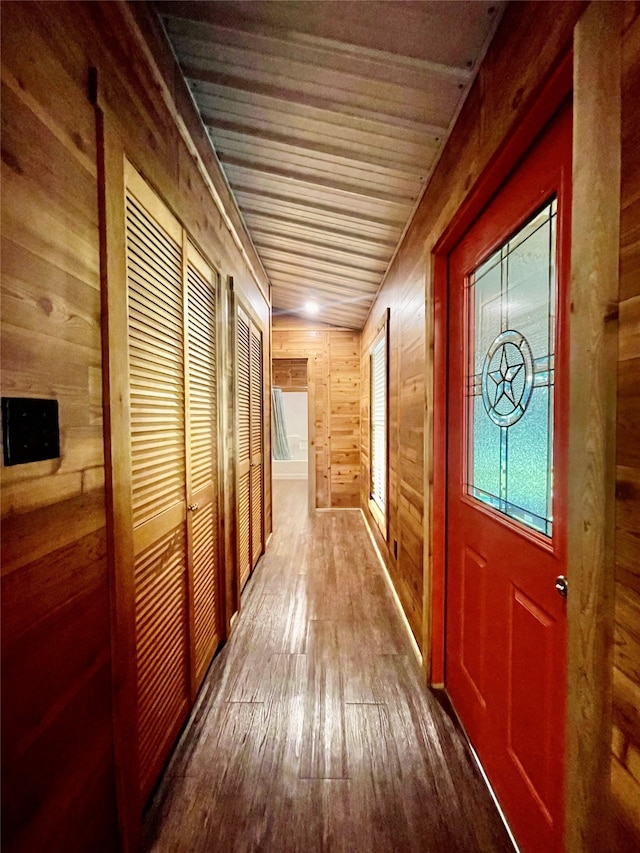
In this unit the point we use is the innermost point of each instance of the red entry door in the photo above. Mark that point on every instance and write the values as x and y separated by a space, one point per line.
506 501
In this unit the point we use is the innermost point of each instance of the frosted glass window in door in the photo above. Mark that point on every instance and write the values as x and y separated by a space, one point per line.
510 377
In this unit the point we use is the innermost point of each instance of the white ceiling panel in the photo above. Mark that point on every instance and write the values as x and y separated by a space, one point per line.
328 119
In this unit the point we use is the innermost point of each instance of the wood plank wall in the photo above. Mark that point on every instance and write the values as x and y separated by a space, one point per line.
501 96
58 767
57 762
403 549
335 362
626 676
289 374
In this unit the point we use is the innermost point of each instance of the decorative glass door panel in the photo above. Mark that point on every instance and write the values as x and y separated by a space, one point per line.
507 423
511 322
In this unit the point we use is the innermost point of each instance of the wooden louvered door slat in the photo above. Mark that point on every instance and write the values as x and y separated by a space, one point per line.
243 431
202 476
257 466
156 399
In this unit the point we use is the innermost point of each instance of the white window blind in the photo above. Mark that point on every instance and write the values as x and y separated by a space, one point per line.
379 420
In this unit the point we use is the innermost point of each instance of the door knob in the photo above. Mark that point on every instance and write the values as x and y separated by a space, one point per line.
192 507
562 585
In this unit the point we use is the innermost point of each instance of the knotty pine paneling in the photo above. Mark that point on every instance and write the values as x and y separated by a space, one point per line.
58 769
57 763
334 356
625 769
405 437
50 264
344 414
289 374
57 757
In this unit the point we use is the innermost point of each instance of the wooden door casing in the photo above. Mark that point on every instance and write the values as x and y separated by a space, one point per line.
506 624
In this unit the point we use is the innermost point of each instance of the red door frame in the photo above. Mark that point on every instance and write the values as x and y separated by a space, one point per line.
557 88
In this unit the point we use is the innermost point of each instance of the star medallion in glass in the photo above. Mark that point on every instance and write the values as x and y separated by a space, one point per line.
512 311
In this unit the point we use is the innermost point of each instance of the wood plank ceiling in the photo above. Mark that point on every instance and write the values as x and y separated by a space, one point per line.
328 119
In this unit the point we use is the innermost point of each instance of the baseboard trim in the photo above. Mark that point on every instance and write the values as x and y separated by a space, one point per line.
396 598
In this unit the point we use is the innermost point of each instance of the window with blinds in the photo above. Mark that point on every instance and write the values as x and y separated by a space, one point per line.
378 485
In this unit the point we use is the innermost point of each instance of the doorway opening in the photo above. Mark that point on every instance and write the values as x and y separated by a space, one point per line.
292 435
294 409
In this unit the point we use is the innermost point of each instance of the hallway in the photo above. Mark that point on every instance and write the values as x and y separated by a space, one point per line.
314 731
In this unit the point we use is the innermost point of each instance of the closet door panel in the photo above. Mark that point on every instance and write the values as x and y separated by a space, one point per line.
155 366
203 462
243 432
156 383
257 502
161 650
257 467
244 527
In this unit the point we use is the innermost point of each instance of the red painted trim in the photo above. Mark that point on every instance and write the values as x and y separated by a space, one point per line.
543 107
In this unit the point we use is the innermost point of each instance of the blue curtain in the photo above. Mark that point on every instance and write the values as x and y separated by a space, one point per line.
280 445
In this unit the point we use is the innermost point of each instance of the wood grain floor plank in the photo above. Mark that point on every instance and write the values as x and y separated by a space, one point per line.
314 731
324 747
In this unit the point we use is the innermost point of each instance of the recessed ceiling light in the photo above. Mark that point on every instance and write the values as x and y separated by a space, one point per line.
311 308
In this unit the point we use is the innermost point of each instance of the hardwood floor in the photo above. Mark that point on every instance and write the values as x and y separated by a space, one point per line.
314 730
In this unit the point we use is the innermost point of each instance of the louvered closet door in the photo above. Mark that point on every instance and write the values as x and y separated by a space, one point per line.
257 467
156 379
202 477
243 428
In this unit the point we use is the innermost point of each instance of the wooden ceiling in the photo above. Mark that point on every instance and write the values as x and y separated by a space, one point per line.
328 119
